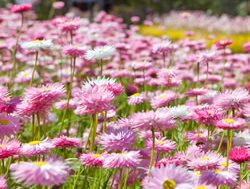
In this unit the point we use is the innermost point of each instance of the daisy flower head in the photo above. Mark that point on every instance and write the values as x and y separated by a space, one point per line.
240 154
196 92
129 159
218 177
3 182
162 47
62 105
204 161
70 25
242 138
177 112
223 43
117 139
150 119
108 83
169 177
36 148
44 173
206 56
66 142
231 123
74 51
92 159
178 160
9 125
40 99
199 136
232 99
21 8
25 76
162 144
100 53
137 98
163 99
58 5
37 45
93 100
9 148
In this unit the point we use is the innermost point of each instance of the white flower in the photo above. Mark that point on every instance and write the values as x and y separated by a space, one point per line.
99 81
242 138
180 111
100 53
37 45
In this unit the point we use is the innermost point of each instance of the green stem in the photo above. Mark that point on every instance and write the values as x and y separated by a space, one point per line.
105 122
221 141
33 126
153 149
38 127
94 125
101 65
34 69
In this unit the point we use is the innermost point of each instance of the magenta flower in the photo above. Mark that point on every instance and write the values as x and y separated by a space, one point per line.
21 8
170 177
223 43
240 154
70 25
9 148
92 160
74 51
66 142
44 173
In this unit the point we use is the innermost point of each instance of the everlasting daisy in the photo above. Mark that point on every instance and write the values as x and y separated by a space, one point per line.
25 76
231 123
21 8
109 83
180 111
36 148
70 25
9 125
163 99
137 98
91 159
219 177
3 183
93 100
74 51
9 148
121 160
178 160
199 136
232 99
100 53
204 161
65 142
242 138
223 43
117 139
40 99
240 154
37 45
161 145
169 177
43 173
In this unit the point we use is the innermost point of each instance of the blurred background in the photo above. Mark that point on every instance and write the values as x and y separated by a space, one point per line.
208 20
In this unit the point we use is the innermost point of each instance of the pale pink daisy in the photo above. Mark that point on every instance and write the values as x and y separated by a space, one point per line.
163 99
231 123
9 125
137 98
9 148
92 159
161 144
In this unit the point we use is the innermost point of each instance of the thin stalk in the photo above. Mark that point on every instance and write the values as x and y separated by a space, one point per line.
95 123
101 66
126 178
34 69
105 122
221 141
33 126
38 127
153 149
208 138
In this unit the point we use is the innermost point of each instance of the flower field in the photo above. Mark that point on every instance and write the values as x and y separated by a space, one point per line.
99 105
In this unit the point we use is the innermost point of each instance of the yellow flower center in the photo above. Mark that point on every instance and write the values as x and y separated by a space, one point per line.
199 134
197 173
169 184
4 122
228 120
163 96
36 41
44 89
26 74
160 142
34 142
224 164
136 94
40 163
218 171
204 158
96 155
200 187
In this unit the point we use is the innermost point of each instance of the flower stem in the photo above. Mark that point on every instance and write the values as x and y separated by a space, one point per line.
94 127
221 141
34 69
153 149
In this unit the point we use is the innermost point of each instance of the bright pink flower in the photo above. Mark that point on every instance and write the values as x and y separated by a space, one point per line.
21 8
223 43
58 4
93 160
70 25
66 142
231 123
74 51
240 154
9 148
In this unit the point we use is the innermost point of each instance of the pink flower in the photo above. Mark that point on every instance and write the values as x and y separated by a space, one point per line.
44 173
21 8
9 125
93 160
9 148
74 51
231 123
137 98
223 43
70 25
163 99
66 142
3 183
58 5
120 160
161 145
240 154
